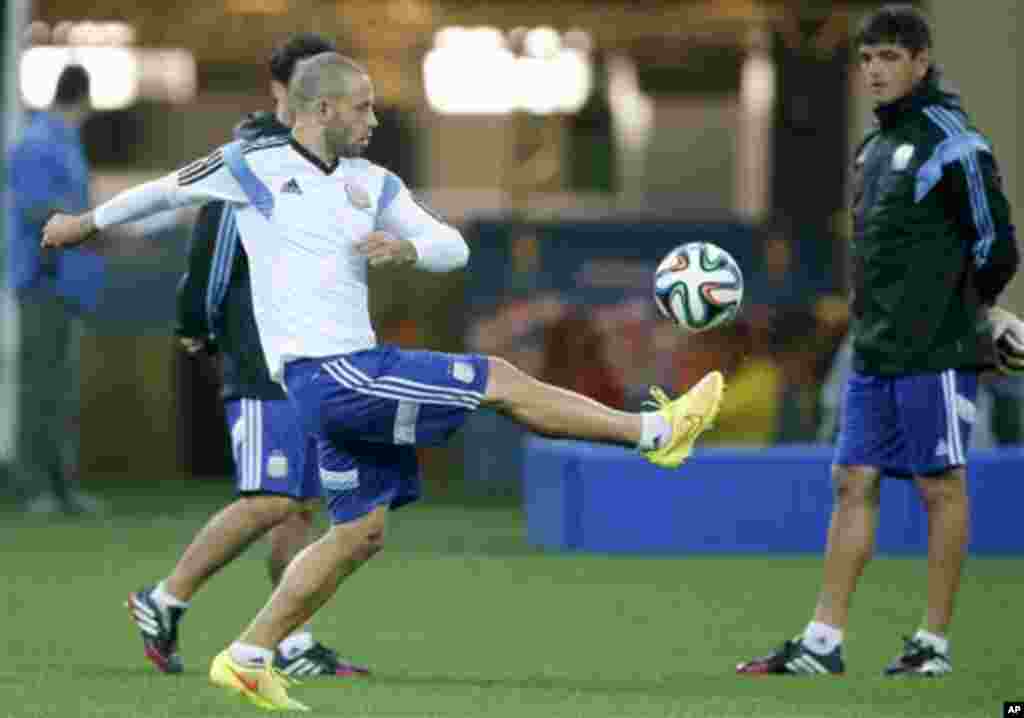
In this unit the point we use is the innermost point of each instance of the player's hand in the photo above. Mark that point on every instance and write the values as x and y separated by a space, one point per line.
66 230
192 345
1008 336
381 248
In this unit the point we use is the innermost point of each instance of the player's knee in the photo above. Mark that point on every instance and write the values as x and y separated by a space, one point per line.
941 490
856 485
370 546
272 509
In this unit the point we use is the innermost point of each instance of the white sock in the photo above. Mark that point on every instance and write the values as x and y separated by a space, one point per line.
167 600
249 655
298 642
822 638
939 643
654 430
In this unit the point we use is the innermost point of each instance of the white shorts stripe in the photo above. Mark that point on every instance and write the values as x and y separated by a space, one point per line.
396 383
956 449
391 392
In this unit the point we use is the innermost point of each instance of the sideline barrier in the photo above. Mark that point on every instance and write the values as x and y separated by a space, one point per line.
587 497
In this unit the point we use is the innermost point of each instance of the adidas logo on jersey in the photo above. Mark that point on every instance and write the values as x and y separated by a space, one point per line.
291 187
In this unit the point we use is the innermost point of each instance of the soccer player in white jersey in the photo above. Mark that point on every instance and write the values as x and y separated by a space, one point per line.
277 479
313 217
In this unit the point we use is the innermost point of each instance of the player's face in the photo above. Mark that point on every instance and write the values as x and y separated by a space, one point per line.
890 71
349 129
281 108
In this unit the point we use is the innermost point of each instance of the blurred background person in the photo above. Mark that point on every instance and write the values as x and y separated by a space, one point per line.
575 357
48 172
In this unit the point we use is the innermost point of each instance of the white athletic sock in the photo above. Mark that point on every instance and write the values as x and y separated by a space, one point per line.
939 643
822 638
167 600
250 656
298 642
654 430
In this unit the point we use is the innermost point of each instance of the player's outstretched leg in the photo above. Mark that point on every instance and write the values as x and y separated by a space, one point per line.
665 436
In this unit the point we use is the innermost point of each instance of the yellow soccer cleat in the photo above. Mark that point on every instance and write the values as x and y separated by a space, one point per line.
264 687
689 415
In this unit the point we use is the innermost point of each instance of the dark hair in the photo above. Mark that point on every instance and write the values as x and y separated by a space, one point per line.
72 86
903 25
297 47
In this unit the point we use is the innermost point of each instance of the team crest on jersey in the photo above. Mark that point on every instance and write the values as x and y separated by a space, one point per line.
358 196
463 371
902 156
277 465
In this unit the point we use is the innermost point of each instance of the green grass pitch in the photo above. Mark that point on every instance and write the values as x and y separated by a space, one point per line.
460 618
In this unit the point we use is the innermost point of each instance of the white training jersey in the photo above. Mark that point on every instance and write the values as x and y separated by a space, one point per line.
299 221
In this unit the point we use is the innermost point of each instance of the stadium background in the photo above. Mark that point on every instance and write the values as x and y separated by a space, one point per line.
730 120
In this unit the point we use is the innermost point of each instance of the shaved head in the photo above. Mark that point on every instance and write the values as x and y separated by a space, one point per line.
327 75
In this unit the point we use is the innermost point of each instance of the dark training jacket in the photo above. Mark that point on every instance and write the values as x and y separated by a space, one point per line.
215 297
933 245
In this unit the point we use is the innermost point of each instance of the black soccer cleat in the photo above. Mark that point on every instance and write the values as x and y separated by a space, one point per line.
794 658
159 629
318 660
919 659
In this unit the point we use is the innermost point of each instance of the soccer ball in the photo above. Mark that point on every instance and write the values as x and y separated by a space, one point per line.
699 286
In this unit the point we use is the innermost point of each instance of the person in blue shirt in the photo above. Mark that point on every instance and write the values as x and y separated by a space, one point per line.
47 173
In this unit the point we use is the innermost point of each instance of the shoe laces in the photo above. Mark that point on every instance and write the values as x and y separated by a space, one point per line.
687 423
283 678
659 399
913 648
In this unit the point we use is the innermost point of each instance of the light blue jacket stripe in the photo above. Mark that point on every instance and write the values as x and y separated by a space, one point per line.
223 260
957 133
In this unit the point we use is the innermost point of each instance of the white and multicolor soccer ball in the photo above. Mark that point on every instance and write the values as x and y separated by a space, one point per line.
698 286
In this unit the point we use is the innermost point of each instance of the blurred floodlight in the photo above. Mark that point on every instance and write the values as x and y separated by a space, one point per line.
114 75
118 75
474 71
40 69
543 42
462 79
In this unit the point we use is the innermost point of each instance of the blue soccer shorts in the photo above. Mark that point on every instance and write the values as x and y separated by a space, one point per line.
911 425
273 453
370 409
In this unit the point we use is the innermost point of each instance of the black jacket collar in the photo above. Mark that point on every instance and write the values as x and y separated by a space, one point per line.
927 92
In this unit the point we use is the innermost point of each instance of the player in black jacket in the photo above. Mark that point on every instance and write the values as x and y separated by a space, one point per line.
276 465
933 247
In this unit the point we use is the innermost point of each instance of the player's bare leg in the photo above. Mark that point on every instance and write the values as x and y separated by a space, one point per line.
666 436
556 412
945 498
224 538
851 540
286 540
314 576
926 653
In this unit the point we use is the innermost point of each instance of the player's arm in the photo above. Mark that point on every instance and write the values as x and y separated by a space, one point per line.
983 214
408 233
193 328
205 179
